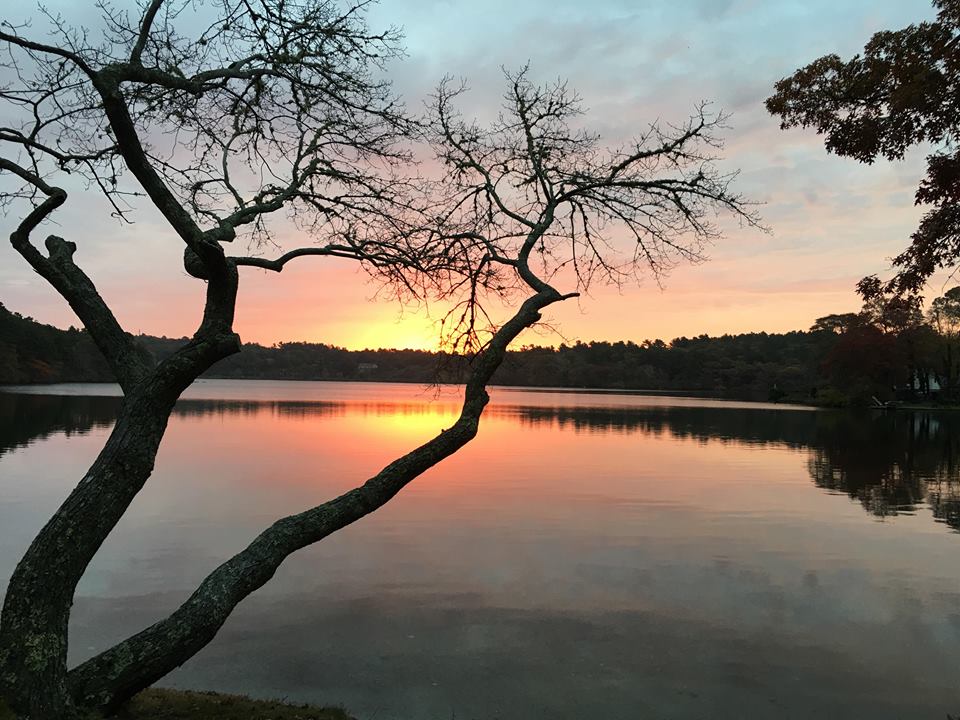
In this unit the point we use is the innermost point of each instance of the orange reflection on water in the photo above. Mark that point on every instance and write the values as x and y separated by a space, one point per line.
325 448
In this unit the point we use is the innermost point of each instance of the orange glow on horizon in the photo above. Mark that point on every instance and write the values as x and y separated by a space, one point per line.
643 314
412 332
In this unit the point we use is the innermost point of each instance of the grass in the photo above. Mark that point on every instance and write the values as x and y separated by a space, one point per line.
157 704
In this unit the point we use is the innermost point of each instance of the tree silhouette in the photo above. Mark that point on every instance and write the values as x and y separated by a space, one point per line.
274 108
902 91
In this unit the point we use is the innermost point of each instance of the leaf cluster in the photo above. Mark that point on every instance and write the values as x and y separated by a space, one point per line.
903 90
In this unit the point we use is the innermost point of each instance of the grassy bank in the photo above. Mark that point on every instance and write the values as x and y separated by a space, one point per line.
156 704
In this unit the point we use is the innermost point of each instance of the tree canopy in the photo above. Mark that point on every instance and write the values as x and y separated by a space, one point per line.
902 91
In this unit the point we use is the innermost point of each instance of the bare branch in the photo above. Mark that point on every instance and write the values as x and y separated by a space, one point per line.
146 657
550 199
145 26
129 362
26 44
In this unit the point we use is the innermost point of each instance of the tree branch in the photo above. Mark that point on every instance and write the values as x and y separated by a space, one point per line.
129 362
48 49
137 662
131 148
277 264
341 251
145 26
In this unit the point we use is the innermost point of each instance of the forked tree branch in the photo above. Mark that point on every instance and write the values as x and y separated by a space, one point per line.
129 362
139 661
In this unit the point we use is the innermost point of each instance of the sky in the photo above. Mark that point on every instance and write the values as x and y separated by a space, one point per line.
634 62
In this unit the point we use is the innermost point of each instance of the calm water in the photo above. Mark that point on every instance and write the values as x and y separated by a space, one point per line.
588 556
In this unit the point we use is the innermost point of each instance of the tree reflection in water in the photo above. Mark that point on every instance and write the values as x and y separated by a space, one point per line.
26 418
891 462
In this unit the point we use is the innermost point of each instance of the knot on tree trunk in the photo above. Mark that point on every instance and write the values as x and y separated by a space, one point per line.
194 265
61 251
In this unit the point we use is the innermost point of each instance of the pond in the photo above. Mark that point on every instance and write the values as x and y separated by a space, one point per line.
589 555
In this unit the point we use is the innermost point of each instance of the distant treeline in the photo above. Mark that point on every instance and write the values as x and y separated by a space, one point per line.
35 353
843 359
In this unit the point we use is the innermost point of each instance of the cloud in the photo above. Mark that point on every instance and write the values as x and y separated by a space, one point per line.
833 219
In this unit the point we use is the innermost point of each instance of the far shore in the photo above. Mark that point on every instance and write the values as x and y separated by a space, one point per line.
589 390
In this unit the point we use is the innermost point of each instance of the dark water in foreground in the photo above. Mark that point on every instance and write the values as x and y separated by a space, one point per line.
588 556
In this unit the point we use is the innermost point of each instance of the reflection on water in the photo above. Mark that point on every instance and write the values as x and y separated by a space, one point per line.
892 462
24 418
889 462
589 555
739 424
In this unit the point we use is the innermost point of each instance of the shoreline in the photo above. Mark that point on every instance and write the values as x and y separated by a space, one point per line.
169 704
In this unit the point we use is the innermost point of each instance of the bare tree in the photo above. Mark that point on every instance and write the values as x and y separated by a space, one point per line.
270 106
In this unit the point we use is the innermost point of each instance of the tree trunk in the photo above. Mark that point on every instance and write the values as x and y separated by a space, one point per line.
109 679
36 609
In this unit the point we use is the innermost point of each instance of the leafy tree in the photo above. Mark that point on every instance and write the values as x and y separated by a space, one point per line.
866 362
883 350
889 311
276 108
902 91
945 311
833 323
31 352
944 314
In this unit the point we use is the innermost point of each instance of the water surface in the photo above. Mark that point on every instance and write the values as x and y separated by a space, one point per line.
587 556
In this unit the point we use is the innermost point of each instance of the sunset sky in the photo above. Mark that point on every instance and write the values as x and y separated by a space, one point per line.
833 221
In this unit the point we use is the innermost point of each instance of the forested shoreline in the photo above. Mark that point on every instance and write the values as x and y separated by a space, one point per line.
842 360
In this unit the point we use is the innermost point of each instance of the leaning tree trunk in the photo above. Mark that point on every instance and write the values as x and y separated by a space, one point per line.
36 609
117 674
